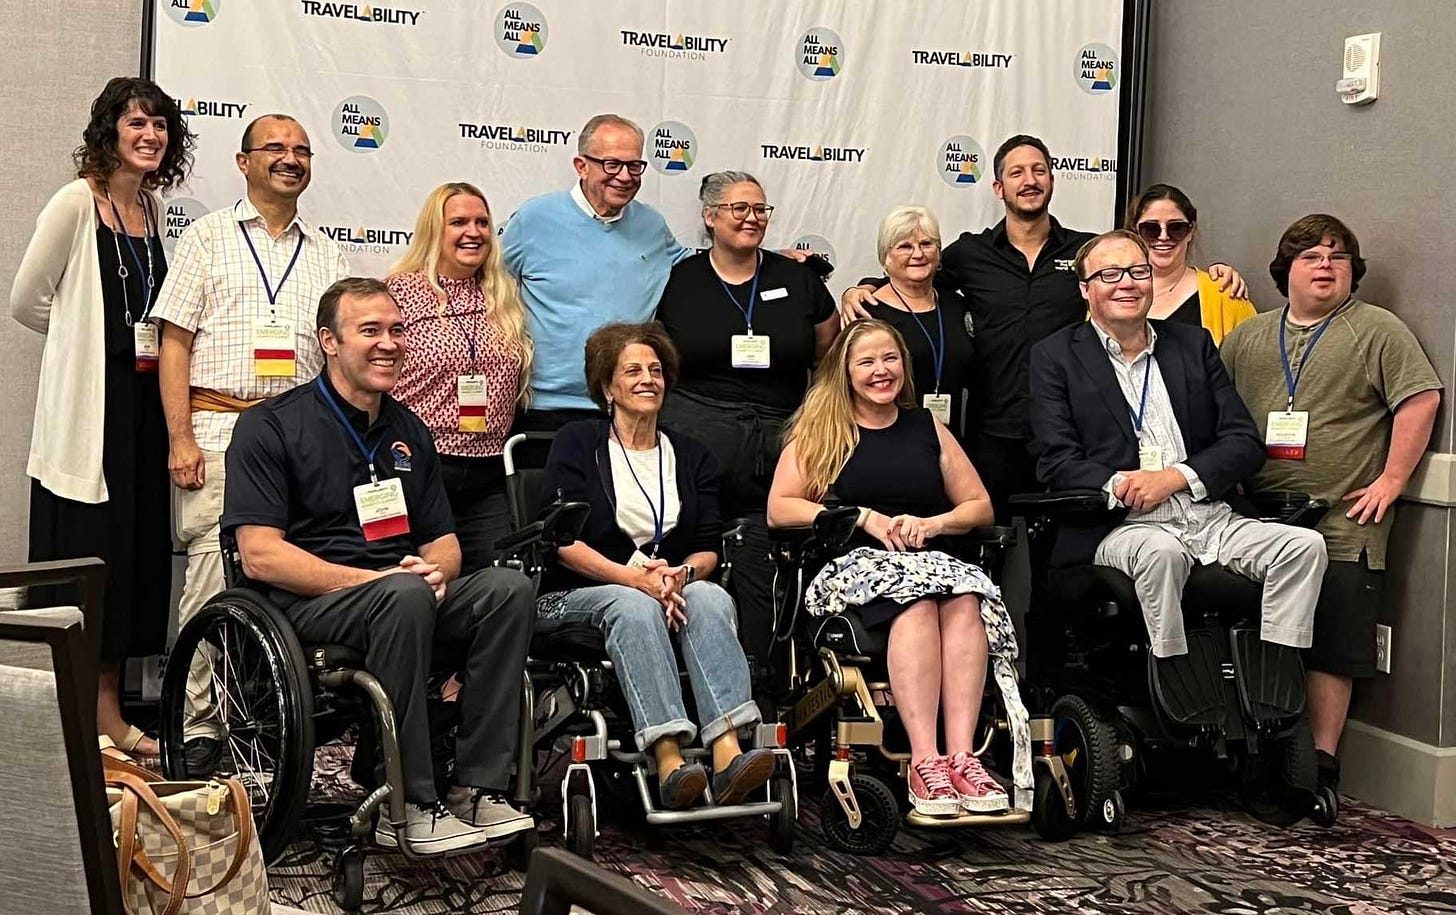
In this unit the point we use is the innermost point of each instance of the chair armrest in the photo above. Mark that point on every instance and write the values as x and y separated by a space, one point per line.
1288 507
990 536
560 525
89 573
1060 503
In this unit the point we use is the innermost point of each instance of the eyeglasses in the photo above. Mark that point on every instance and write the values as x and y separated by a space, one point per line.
1152 230
634 167
740 209
1113 275
278 150
1316 259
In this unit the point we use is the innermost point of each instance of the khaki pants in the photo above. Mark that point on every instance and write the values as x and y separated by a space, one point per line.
197 515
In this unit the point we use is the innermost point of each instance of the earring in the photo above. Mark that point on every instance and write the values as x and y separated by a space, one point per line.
611 407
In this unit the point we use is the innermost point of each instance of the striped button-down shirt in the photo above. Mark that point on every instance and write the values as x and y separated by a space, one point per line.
1191 516
216 290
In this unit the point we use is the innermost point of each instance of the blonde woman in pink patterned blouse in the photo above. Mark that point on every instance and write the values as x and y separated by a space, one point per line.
470 356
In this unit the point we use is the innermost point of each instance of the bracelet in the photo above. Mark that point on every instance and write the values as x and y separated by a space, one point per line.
690 571
864 517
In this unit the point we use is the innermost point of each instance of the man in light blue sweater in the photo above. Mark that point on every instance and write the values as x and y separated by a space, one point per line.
586 257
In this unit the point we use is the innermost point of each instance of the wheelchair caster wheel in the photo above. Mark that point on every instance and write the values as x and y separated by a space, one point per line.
1049 816
879 818
1111 813
349 879
581 833
519 851
781 825
1326 807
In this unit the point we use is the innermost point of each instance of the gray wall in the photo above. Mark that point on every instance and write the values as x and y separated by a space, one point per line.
1243 116
56 59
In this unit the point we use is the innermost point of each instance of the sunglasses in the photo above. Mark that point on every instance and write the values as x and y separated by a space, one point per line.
1152 230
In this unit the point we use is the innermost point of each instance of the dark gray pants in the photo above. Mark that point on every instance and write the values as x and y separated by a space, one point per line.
485 623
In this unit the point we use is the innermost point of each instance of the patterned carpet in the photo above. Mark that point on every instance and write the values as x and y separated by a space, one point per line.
1207 859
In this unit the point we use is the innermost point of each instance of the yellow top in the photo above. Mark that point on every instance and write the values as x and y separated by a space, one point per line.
1220 312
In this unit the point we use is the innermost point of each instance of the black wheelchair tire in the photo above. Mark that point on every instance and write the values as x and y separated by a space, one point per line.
348 889
1096 779
518 852
879 818
1284 792
781 825
581 837
257 622
1049 815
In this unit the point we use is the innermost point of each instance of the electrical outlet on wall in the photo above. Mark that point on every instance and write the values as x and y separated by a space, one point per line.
1382 648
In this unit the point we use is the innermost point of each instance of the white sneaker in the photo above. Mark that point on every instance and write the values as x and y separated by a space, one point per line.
431 830
491 813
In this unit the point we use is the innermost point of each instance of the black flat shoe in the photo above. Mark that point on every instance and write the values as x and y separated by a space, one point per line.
683 787
743 776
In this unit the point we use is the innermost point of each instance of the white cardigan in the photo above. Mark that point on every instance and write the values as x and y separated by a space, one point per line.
57 292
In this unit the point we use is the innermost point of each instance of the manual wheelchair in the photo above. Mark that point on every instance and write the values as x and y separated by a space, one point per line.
577 708
1115 711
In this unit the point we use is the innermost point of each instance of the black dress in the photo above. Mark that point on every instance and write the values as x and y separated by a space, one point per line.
131 531
959 359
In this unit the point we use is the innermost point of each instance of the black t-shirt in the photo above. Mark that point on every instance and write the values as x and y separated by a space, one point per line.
293 466
922 327
1190 312
701 319
895 470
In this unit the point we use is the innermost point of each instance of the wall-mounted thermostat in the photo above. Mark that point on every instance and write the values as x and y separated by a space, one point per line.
1361 83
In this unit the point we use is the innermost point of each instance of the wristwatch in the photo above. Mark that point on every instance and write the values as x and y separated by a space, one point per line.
689 571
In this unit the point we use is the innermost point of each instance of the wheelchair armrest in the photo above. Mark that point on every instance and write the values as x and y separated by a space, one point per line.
734 533
560 525
1059 503
996 536
1286 507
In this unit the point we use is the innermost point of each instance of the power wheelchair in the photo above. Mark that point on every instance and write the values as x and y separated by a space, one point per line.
274 700
577 708
1115 712
836 698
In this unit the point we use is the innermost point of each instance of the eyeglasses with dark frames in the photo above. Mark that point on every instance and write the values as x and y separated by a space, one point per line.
1152 230
740 209
634 167
1113 275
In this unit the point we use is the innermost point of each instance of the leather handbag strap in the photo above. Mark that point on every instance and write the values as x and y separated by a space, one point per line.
135 790
111 764
242 816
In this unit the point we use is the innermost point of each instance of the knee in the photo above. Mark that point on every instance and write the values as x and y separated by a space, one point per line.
961 610
1308 546
406 602
1163 555
631 611
710 603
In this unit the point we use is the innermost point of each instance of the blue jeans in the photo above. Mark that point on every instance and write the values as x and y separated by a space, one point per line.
639 645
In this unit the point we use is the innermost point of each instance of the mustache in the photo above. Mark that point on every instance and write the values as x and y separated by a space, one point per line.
286 170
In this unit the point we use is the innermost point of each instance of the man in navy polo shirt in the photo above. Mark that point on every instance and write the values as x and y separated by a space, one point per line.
335 499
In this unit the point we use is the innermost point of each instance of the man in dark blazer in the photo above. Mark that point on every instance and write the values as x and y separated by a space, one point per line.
1145 412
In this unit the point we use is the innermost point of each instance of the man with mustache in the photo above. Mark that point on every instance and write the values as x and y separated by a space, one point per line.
236 313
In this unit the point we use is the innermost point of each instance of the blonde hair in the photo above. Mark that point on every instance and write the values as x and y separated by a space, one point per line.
902 223
823 430
503 300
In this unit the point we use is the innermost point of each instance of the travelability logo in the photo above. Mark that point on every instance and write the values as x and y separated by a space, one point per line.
1085 168
211 108
520 30
368 239
192 12
987 60
1096 68
681 46
515 139
816 244
674 148
179 213
960 161
381 15
818 153
821 54
360 123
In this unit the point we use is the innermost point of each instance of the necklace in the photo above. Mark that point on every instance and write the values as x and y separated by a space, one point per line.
1176 283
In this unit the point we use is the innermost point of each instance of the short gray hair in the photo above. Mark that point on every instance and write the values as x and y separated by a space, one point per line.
589 132
902 223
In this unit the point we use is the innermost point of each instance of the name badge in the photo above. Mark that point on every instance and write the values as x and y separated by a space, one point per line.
1287 434
638 560
768 295
144 335
273 349
939 407
382 512
1150 457
750 351
470 400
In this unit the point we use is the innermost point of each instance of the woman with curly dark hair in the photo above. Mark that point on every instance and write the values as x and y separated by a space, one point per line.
98 453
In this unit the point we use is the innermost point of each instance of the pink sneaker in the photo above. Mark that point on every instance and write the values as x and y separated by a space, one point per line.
979 792
931 790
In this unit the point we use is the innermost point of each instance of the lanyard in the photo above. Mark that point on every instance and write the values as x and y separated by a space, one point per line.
121 270
657 517
1137 418
469 337
297 249
937 354
353 433
1291 379
752 293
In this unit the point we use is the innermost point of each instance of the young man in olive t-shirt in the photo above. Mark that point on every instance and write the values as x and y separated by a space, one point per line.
1344 398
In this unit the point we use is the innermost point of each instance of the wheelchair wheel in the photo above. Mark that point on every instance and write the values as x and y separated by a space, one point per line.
581 835
879 818
1049 815
781 825
261 707
518 852
1087 744
349 879
1282 790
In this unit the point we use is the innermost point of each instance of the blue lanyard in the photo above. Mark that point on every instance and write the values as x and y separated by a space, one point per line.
136 258
297 249
469 340
752 293
1291 378
353 433
937 355
1137 418
658 518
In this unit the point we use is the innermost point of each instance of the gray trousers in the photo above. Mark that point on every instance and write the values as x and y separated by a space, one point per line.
1290 561
484 624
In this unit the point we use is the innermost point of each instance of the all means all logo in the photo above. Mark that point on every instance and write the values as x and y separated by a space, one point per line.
674 148
178 214
515 139
368 239
520 30
816 244
681 46
819 153
1096 68
820 54
360 123
960 161
192 12
211 108
383 15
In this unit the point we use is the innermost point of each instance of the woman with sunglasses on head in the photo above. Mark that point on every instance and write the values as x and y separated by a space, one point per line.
750 324
1166 219
98 455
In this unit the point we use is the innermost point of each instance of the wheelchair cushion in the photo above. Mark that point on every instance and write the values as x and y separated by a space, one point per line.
846 635
567 640
333 657
1210 589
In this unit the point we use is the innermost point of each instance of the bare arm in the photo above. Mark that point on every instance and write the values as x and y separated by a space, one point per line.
788 501
174 366
1409 435
962 486
824 333
270 559
444 554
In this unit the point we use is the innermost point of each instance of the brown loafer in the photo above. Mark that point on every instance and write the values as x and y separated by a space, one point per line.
682 788
744 775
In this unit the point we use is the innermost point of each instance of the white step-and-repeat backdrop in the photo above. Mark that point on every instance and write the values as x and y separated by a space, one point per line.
842 108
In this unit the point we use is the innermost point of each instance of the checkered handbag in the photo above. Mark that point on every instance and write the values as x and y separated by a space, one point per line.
185 847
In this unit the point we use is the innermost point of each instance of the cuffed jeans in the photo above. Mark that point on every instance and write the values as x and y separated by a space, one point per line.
638 643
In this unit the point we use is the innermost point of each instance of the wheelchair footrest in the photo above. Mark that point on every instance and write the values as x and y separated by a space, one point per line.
1270 677
1189 687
